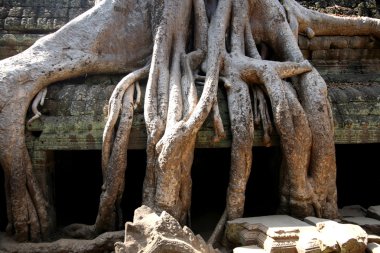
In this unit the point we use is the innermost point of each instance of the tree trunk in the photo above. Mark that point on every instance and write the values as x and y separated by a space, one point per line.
246 44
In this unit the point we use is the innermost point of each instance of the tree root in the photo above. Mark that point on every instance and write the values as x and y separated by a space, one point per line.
103 243
225 49
39 99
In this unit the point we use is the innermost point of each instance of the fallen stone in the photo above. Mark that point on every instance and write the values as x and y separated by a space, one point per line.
162 233
371 226
374 212
249 249
373 248
314 220
350 238
373 238
327 243
275 233
353 211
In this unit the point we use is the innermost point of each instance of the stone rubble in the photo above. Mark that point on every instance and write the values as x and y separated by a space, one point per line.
285 234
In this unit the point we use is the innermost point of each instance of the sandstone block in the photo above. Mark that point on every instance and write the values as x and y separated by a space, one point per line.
29 12
370 225
3 12
353 211
15 12
12 23
374 212
150 232
350 238
314 220
275 233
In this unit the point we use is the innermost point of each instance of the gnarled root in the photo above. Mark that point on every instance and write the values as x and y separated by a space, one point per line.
70 52
312 23
172 113
114 160
309 155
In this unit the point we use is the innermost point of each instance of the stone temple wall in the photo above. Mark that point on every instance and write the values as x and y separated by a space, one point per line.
24 21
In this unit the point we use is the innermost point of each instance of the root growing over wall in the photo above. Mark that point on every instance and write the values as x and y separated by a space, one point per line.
248 46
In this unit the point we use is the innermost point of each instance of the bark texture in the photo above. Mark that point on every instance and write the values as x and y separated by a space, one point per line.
249 46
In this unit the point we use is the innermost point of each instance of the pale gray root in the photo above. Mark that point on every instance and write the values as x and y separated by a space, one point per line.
113 181
71 51
171 104
153 233
38 100
103 243
114 107
307 195
243 66
219 229
312 23
115 160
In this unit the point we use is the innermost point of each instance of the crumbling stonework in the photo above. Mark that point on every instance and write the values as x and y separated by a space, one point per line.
23 22
152 233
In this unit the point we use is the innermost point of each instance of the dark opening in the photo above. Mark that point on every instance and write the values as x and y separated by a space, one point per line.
3 207
78 180
262 196
210 175
358 174
134 178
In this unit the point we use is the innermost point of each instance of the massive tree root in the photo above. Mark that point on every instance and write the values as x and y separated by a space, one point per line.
70 52
249 45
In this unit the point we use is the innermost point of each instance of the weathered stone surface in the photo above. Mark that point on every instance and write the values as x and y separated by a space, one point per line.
275 233
372 226
249 249
373 248
374 212
353 211
314 220
150 232
350 238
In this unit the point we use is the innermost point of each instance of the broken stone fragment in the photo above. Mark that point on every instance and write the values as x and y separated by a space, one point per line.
374 212
352 211
162 233
350 238
371 226
327 243
275 233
